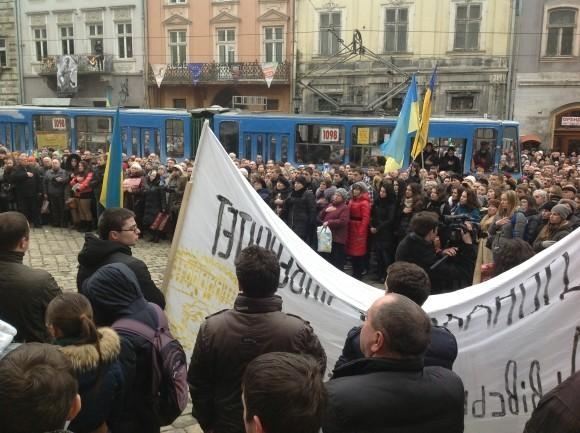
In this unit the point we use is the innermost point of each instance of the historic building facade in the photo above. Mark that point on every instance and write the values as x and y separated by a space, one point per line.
468 40
220 52
9 77
547 91
90 52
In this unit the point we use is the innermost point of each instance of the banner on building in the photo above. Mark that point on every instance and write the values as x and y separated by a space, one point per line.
195 71
269 70
517 334
159 70
66 75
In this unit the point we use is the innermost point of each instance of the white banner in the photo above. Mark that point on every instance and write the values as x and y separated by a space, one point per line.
159 71
517 334
269 70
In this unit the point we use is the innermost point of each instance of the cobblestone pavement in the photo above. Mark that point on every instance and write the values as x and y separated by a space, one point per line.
55 250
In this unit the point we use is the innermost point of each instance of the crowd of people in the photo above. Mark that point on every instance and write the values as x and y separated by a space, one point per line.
103 359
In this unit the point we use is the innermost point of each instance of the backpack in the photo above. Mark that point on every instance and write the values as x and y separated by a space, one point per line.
169 385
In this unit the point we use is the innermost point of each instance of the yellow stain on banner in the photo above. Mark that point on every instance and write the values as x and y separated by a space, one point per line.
203 285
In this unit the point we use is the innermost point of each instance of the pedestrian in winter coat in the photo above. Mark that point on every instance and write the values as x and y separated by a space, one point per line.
6 186
279 195
114 294
82 192
411 203
94 354
299 211
509 223
27 188
261 188
382 227
358 228
153 203
557 228
336 217
55 181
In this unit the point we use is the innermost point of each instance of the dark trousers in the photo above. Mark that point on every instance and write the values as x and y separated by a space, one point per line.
337 256
56 209
385 257
29 206
358 266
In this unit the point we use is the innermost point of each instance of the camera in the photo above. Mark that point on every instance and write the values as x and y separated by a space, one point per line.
454 226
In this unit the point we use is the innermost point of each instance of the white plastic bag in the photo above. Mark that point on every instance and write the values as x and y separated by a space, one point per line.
324 239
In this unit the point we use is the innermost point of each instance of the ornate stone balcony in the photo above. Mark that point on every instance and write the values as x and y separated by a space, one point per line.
222 73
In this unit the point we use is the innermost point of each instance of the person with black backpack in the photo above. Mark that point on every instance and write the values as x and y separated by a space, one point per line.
153 361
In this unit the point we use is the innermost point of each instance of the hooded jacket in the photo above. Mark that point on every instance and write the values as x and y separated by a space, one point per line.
97 252
24 295
100 388
114 293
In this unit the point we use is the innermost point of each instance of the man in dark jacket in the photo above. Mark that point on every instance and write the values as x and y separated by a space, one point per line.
228 340
27 187
24 292
413 282
54 183
118 232
450 162
390 390
450 269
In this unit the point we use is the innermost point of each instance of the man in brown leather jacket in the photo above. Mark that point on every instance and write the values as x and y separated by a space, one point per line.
228 340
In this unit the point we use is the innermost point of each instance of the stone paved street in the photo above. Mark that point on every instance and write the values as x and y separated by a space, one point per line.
56 250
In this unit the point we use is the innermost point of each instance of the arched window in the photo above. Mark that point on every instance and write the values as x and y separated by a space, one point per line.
561 32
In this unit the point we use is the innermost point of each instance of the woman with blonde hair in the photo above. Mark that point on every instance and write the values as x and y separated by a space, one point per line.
509 223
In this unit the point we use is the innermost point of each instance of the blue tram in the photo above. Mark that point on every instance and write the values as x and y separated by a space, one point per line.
309 139
167 133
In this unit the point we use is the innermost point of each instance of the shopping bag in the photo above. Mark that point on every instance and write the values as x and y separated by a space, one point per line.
45 208
324 239
160 221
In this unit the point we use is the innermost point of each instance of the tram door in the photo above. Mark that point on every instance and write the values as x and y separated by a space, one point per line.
15 136
140 141
268 146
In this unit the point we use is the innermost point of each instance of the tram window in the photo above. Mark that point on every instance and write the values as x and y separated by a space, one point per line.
317 144
20 137
134 149
93 133
366 142
8 131
272 149
247 146
283 149
51 131
174 138
442 144
260 145
510 153
484 145
229 136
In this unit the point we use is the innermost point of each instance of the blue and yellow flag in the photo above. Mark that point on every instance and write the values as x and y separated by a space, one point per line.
421 138
112 192
407 123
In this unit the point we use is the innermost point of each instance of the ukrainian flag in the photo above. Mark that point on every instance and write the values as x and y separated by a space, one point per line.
408 122
112 192
421 138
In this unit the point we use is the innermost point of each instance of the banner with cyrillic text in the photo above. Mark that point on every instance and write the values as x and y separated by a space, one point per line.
517 334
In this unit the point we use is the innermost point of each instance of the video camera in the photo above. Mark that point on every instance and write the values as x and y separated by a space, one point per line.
455 226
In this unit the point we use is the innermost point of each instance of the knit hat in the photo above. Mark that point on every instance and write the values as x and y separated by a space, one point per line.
562 210
570 203
470 179
361 185
547 206
343 192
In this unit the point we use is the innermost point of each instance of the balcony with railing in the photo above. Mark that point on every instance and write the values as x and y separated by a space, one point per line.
221 73
85 64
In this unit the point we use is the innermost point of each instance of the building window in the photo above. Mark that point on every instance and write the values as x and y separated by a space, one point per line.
227 45
173 2
273 43
324 105
177 46
125 40
462 102
67 40
467 25
3 59
396 23
40 43
96 34
272 104
179 103
561 26
329 33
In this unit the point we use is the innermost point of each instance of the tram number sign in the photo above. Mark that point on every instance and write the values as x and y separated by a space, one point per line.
329 135
58 123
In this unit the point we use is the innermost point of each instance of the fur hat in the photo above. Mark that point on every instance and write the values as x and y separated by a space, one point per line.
360 185
562 210
343 192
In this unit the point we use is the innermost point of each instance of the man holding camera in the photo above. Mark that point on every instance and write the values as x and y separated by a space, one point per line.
448 269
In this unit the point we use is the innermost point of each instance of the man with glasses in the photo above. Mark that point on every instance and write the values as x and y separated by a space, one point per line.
118 232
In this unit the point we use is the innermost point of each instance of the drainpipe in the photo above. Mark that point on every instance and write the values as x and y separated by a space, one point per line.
22 95
294 60
509 112
146 51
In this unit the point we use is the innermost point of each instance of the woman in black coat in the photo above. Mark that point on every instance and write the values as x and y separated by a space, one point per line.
299 210
383 224
153 203
114 293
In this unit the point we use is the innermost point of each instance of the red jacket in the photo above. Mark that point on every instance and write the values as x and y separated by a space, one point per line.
85 190
337 222
358 225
